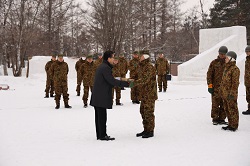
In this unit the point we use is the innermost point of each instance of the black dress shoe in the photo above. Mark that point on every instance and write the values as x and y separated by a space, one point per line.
247 112
119 104
148 135
57 107
107 138
136 102
85 105
140 134
47 96
52 95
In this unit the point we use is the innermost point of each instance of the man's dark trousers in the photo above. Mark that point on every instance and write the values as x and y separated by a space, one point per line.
100 122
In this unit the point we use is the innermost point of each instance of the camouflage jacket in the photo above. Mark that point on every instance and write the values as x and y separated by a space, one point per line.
47 69
116 70
123 65
87 71
146 81
230 81
162 66
247 72
59 72
79 64
133 67
98 62
215 72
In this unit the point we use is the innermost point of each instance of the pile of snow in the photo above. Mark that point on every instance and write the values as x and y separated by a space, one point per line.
210 42
33 133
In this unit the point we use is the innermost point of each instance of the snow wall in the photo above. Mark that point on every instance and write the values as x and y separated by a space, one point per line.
211 40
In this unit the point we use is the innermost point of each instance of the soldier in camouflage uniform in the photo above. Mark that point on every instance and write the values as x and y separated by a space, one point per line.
49 82
59 71
214 76
247 80
146 82
123 66
87 71
162 68
79 78
99 60
116 72
229 90
133 67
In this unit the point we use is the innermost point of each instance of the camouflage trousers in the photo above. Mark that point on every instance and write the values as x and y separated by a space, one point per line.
248 97
49 87
162 80
147 114
217 112
117 91
86 93
78 86
231 108
134 93
61 90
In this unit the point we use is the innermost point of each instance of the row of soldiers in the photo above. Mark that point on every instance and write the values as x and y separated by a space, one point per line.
86 67
223 82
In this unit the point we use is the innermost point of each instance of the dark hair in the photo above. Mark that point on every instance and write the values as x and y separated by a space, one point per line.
107 54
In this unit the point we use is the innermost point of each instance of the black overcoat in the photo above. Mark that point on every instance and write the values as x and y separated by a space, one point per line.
103 84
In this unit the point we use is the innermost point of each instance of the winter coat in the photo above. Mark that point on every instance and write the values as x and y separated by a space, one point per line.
133 67
230 81
87 72
146 81
103 84
79 64
162 66
123 66
247 72
215 72
59 71
47 69
116 70
98 62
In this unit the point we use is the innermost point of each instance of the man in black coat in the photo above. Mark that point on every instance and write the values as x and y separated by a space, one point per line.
101 98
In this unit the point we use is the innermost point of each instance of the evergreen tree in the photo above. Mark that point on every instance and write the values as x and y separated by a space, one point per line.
230 13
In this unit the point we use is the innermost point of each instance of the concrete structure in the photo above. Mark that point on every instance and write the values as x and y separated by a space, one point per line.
234 38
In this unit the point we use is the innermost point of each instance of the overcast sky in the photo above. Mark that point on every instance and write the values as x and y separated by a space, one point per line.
187 4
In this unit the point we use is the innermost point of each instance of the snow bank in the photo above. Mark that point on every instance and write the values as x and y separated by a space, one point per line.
210 42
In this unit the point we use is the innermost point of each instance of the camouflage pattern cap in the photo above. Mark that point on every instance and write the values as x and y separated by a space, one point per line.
89 56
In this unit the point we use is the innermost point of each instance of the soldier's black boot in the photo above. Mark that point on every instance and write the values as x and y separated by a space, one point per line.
164 90
160 90
140 134
136 102
247 112
57 106
228 128
68 106
51 95
78 94
148 134
46 96
118 102
85 105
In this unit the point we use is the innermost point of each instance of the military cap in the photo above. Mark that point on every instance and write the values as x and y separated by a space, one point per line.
141 52
232 54
223 50
89 56
135 52
60 55
247 49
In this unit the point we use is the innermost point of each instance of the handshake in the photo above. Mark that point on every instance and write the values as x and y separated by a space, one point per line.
129 80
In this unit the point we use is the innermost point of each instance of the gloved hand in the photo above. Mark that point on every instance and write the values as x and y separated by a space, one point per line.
131 84
230 97
210 89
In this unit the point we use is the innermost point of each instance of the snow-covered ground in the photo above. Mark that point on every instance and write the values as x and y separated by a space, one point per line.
33 133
